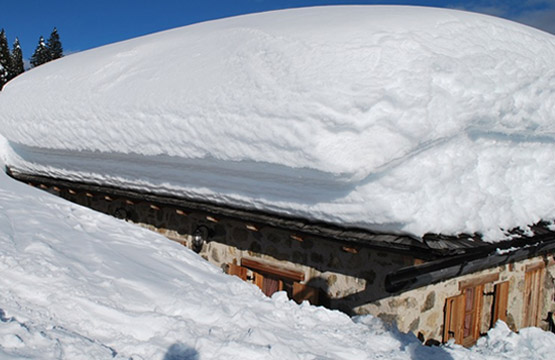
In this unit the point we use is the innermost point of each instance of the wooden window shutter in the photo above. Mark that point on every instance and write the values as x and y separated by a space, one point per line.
500 303
259 280
304 292
533 281
454 319
473 303
237 270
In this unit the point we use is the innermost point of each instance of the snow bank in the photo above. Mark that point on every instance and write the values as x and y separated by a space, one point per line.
81 285
77 284
392 118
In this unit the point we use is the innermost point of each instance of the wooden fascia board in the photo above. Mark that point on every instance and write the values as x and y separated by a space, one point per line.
479 280
272 269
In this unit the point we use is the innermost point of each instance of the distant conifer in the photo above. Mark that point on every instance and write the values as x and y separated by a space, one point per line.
3 76
54 45
5 59
41 54
17 60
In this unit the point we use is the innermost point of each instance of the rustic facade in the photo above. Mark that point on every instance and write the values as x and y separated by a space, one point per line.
438 289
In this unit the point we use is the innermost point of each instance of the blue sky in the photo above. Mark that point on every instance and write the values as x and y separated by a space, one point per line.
84 24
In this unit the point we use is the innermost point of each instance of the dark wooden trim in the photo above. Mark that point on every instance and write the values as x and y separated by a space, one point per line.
273 270
479 280
535 266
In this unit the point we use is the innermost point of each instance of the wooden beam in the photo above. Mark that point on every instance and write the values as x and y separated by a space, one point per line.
478 280
272 270
535 266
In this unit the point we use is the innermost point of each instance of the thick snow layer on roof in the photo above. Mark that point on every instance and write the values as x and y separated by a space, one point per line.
392 118
76 284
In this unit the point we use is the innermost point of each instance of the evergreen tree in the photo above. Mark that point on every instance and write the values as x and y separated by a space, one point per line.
54 45
3 77
41 54
17 60
5 59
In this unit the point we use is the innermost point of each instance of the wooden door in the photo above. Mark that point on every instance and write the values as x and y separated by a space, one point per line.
533 281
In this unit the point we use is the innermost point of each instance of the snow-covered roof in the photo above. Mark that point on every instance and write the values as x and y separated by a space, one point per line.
403 119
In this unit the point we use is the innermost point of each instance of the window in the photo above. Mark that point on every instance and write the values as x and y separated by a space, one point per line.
463 313
271 279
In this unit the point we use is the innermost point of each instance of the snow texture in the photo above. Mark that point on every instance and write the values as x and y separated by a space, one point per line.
400 119
77 284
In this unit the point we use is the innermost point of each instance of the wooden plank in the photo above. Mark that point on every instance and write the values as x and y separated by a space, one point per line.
527 298
533 289
273 270
541 282
448 331
479 303
540 275
535 266
500 303
454 319
237 270
478 280
459 319
259 280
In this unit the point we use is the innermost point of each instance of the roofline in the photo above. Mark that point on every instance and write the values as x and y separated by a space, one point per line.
350 235
412 277
441 264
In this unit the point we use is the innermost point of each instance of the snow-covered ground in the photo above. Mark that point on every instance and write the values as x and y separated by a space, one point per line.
402 119
76 284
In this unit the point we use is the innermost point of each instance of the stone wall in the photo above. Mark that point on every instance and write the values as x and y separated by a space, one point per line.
350 276
422 310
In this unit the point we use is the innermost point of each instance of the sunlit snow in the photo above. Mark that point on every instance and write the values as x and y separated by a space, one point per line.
404 119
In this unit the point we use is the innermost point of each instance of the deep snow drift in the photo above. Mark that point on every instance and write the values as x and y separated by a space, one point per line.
76 284
391 118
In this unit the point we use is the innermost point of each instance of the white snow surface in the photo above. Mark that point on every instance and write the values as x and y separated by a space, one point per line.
76 284
393 118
